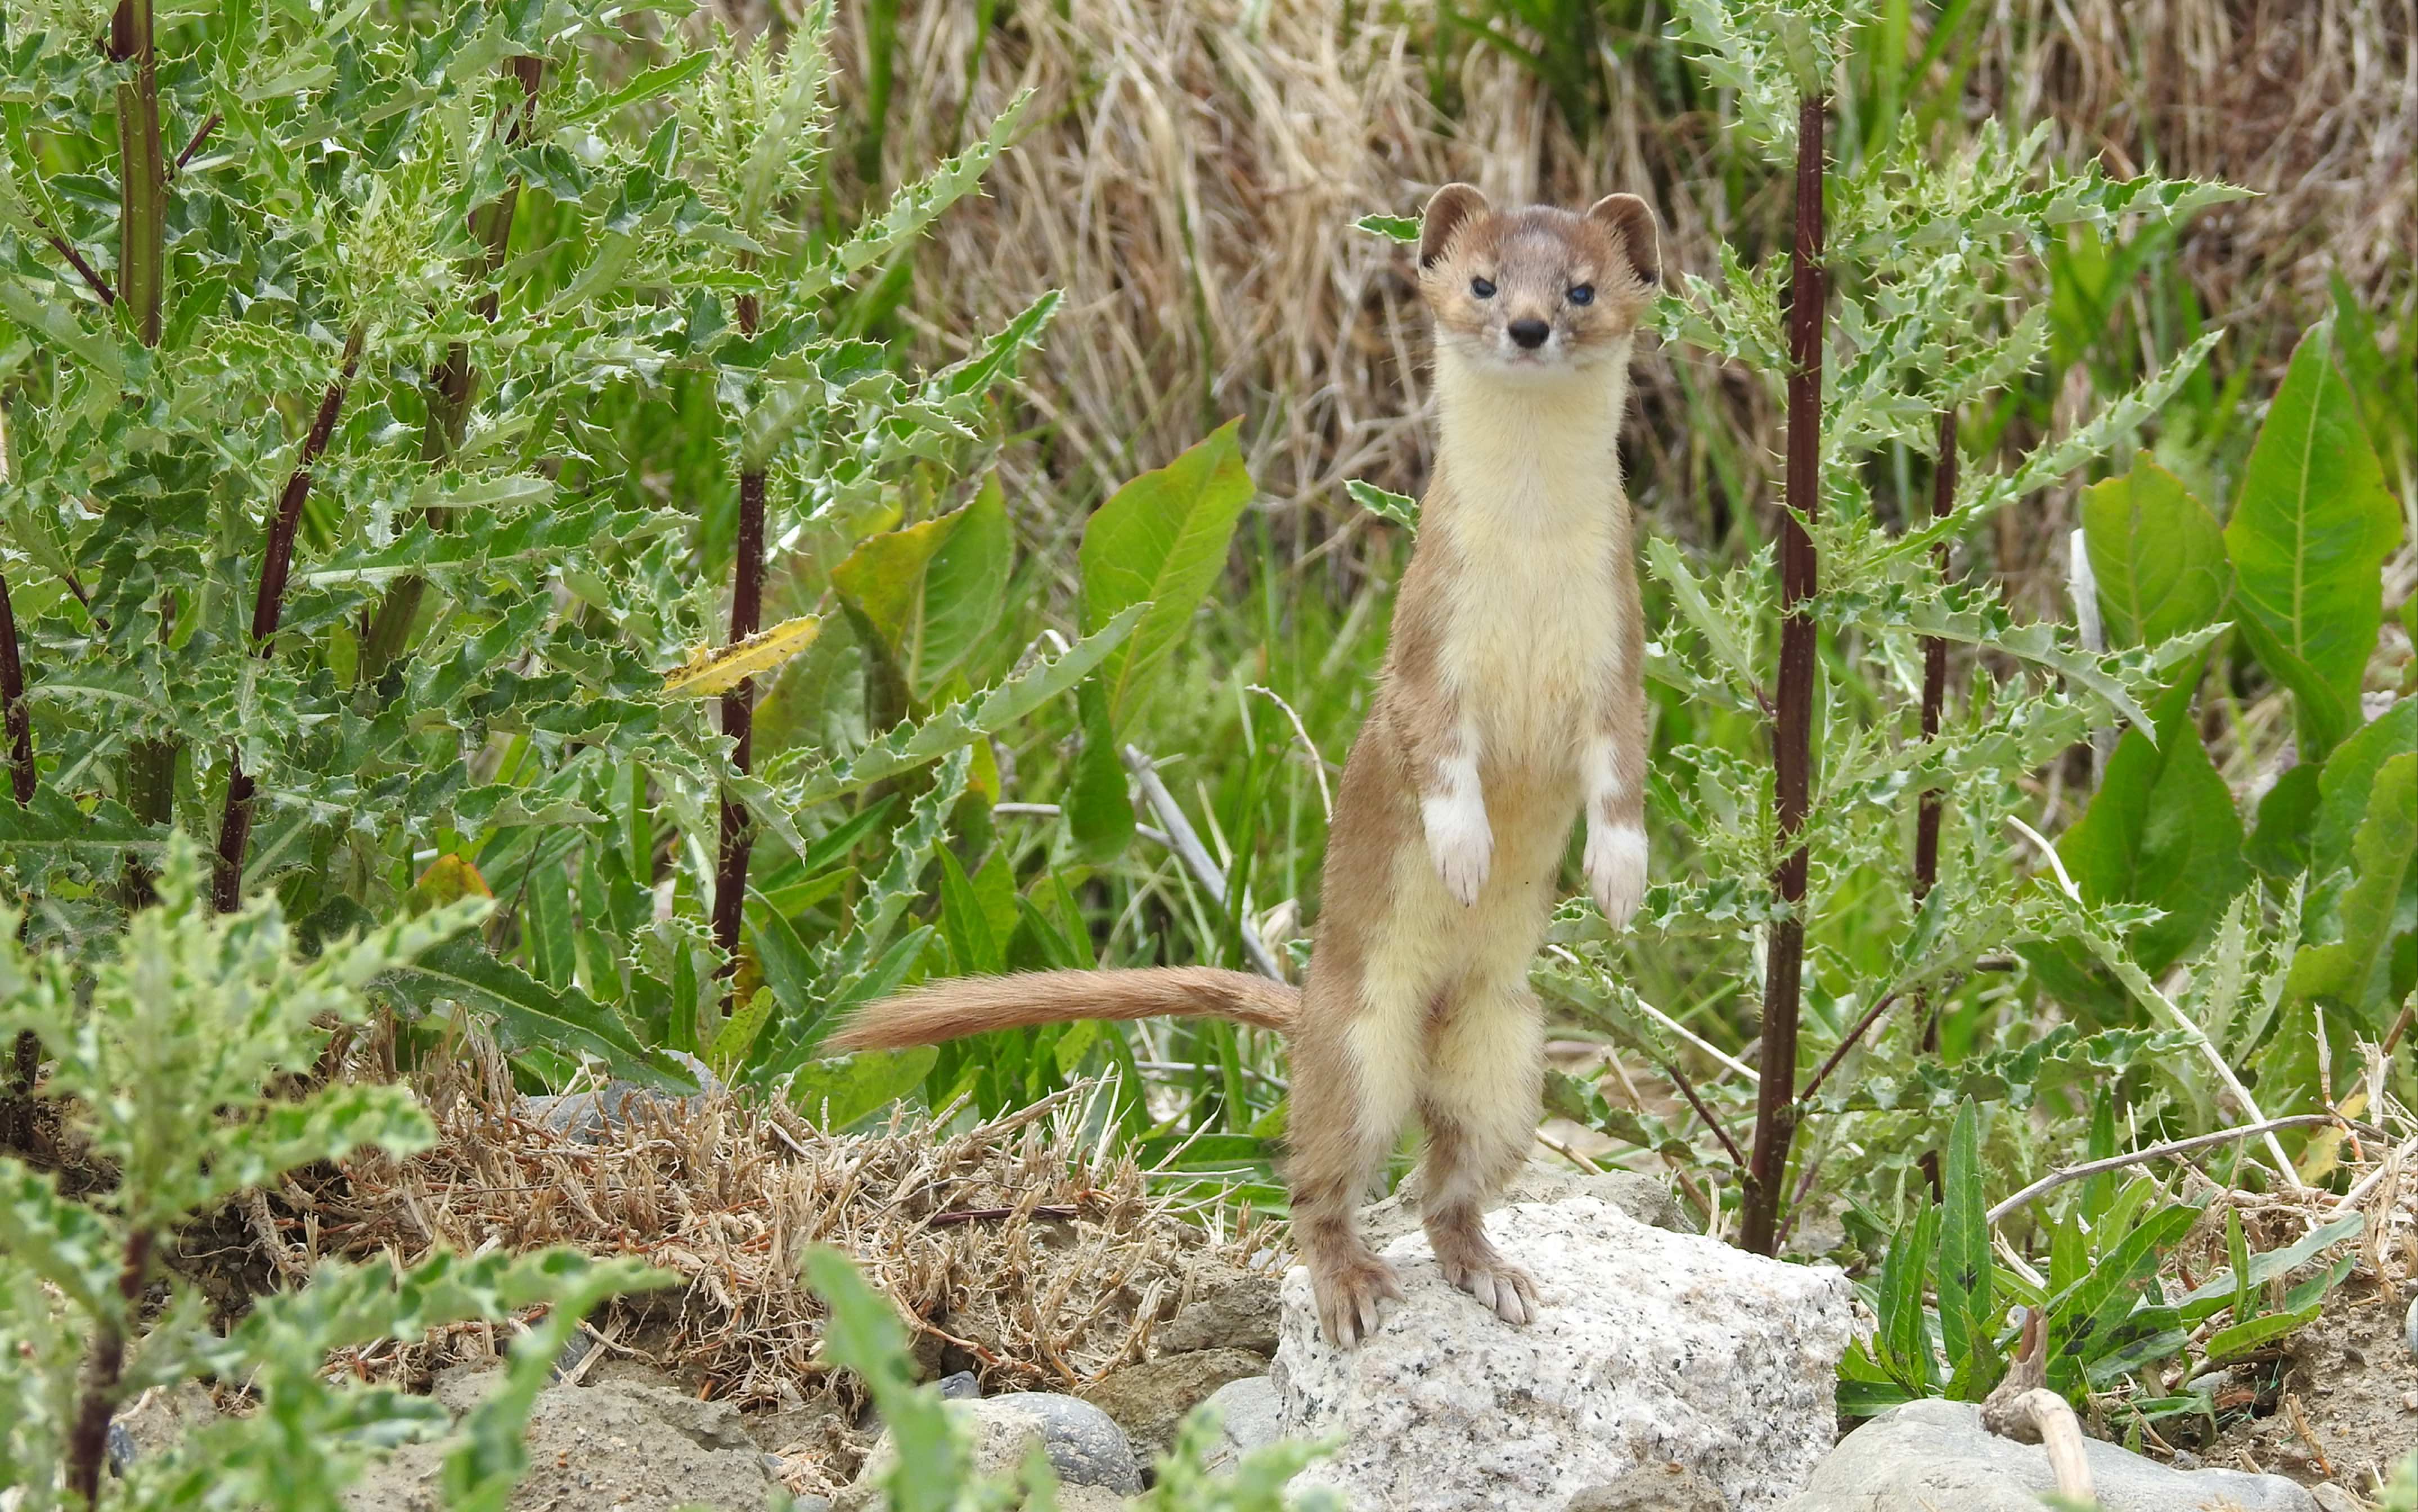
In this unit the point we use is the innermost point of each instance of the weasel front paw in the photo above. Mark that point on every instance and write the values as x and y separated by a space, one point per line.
1615 869
1460 843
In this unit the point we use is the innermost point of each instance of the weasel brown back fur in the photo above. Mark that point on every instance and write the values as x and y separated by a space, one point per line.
1510 703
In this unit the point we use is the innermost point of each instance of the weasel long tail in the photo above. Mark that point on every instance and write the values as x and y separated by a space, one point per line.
970 1005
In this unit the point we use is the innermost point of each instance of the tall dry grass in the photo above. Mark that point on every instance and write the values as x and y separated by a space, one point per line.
1198 166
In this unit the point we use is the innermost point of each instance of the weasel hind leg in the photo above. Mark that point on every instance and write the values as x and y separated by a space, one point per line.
1479 1100
1352 1091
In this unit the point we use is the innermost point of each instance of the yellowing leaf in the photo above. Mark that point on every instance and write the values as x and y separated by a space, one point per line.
710 672
449 878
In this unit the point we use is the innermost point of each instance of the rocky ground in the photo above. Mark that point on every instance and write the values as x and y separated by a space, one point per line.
1668 1371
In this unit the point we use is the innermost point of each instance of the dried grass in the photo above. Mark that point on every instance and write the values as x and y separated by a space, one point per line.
1014 1248
1199 166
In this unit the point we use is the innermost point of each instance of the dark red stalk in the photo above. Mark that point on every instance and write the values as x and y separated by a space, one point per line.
1775 1114
90 274
141 293
193 143
453 387
739 704
88 1436
1934 696
268 605
12 698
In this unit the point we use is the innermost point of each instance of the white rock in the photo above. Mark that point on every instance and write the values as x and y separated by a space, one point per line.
1937 1454
1653 1348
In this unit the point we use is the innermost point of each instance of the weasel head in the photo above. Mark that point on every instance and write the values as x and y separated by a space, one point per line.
1536 295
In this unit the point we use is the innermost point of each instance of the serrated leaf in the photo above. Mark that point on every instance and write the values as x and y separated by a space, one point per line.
526 1011
1399 509
908 746
706 673
2308 538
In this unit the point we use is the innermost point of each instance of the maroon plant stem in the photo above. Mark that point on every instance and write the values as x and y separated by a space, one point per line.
12 698
91 275
1935 698
143 173
268 605
1688 1091
193 143
1775 1114
89 1437
453 388
739 704
1846 1042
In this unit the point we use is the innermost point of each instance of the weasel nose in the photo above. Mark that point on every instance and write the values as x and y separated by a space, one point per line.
1530 333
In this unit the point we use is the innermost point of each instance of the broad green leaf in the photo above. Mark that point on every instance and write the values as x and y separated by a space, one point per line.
2362 970
1100 813
932 592
2221 1290
2308 538
1401 228
1906 1344
836 1094
2348 779
2157 553
1161 541
2288 816
954 727
737 1036
2160 831
2237 1339
973 947
524 1010
1965 1265
548 927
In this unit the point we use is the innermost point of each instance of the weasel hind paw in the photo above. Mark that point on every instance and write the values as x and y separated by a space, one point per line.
1498 1285
1348 1295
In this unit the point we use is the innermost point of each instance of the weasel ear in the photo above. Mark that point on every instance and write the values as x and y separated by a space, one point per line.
1447 210
1631 222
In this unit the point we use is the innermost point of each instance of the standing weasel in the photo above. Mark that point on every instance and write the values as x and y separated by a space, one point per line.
1512 695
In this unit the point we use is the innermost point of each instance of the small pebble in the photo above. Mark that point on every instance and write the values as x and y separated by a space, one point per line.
2409 1327
960 1387
2409 1401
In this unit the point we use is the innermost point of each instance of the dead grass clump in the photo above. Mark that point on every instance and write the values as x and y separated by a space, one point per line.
1196 168
1013 1249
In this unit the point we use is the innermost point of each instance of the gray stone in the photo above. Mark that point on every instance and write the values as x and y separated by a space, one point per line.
2409 1327
1937 1454
629 1445
1651 1347
1149 1400
1247 1420
1084 1444
1239 1312
1668 1487
584 1116
1642 1197
961 1387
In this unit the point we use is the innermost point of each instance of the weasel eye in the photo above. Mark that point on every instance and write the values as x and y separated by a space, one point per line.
1583 294
1480 287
